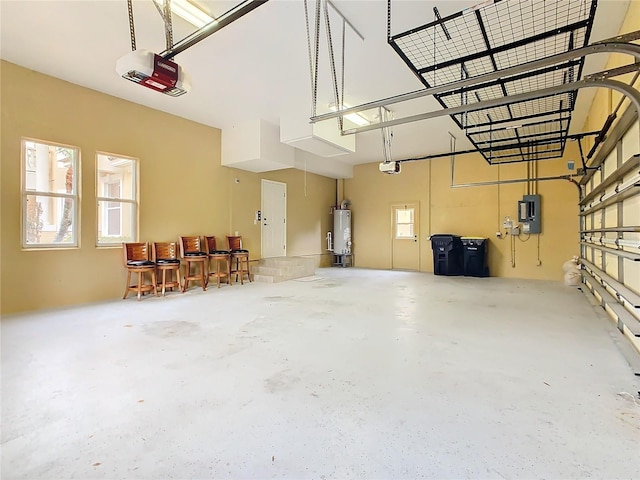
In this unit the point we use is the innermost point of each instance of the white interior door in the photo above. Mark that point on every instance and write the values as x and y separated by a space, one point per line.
405 245
274 219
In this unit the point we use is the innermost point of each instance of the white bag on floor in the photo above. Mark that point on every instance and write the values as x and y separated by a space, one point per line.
573 278
572 264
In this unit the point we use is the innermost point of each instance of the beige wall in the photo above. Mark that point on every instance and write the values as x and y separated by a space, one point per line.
183 189
476 211
472 211
308 217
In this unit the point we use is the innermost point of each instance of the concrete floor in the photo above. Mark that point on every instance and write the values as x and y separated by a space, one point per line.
358 374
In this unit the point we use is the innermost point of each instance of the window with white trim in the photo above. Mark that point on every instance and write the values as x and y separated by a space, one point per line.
117 197
50 201
404 223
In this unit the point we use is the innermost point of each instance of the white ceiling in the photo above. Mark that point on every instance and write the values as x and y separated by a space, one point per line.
256 67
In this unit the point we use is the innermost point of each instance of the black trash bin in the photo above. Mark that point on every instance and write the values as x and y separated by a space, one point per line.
475 256
447 254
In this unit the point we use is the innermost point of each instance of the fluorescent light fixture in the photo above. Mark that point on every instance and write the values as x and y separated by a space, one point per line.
356 118
191 13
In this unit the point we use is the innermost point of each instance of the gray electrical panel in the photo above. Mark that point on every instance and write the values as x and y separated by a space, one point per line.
529 214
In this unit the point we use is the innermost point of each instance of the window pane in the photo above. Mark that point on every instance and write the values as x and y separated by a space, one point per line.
49 220
49 168
112 190
404 215
404 230
116 222
116 177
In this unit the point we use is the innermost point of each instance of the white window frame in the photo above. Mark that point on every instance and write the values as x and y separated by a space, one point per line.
74 196
412 223
134 202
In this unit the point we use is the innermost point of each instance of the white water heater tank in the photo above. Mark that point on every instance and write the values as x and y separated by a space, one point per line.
341 232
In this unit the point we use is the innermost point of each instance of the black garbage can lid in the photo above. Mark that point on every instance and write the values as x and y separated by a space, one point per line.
474 240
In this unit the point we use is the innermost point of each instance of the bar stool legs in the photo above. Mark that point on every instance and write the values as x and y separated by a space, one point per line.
218 272
141 287
200 273
241 266
170 283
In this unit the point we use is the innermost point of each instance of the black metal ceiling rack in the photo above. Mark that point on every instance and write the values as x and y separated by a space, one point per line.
493 36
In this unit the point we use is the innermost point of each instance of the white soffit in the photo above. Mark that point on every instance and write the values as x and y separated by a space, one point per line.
323 138
254 145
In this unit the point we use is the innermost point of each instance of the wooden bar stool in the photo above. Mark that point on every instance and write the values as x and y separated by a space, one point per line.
165 254
221 258
136 260
192 251
239 258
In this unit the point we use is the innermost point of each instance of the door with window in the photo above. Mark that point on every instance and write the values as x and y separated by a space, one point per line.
405 243
274 219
